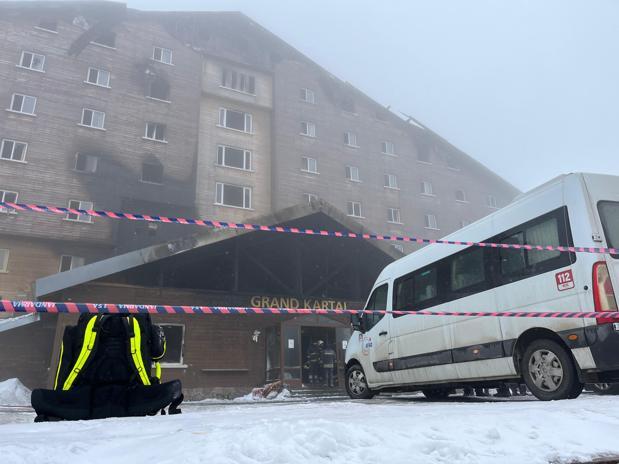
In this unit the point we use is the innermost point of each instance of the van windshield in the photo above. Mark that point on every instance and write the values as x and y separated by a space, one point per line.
609 213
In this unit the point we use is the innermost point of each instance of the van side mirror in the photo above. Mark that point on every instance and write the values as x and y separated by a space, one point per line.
356 321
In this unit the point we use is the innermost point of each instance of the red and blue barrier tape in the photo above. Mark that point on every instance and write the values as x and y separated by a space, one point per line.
293 230
8 306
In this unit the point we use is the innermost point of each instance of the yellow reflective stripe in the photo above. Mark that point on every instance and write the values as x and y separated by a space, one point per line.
59 364
158 370
136 352
89 342
164 349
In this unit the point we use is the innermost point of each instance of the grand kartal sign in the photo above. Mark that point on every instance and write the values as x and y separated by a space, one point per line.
261 301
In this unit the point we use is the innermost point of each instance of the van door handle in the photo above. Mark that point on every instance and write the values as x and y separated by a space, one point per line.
384 332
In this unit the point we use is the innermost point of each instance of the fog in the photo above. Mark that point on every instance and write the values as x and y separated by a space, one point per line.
528 88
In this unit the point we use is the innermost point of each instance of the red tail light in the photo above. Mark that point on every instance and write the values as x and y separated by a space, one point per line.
603 293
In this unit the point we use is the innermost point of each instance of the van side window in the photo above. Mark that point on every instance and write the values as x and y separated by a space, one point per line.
417 290
468 271
403 295
549 229
425 287
377 302
544 233
609 214
512 261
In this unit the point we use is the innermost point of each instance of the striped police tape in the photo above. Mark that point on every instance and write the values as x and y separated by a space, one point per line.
20 306
292 230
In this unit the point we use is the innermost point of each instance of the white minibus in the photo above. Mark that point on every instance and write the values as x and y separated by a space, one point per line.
555 357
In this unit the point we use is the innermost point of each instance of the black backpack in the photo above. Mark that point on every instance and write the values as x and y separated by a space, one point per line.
109 349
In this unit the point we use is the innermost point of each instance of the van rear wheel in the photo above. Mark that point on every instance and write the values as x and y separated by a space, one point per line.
549 371
605 388
356 384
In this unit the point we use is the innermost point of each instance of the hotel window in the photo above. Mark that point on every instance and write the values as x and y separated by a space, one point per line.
4 260
391 181
430 221
13 150
76 204
424 155
348 105
426 188
68 262
308 129
350 139
461 196
155 131
491 201
33 61
175 339
309 165
86 163
235 120
98 77
163 55
310 197
232 195
23 103
308 96
393 215
452 163
388 148
158 88
352 173
93 118
233 157
235 80
152 172
354 209
106 39
9 197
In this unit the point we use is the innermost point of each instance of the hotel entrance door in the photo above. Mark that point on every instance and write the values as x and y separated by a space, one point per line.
307 363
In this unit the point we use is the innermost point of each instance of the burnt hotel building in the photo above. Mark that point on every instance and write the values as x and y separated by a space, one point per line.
210 115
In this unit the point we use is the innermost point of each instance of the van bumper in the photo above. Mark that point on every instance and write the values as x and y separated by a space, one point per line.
603 341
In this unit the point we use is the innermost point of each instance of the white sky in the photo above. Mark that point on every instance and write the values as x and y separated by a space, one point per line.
529 88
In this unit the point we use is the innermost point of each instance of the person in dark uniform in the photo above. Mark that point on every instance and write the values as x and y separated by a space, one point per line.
314 355
328 366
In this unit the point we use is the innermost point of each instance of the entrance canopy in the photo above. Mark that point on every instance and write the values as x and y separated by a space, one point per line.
240 262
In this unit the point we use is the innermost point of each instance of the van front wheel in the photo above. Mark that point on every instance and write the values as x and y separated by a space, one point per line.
356 384
549 371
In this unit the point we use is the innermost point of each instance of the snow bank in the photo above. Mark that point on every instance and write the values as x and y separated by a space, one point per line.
333 432
14 393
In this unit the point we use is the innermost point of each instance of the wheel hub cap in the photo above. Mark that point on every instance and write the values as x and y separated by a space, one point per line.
546 370
356 382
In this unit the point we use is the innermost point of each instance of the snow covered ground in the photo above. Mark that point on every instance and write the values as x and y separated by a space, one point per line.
394 430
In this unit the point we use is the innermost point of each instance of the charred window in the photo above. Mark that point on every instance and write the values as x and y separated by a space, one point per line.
158 88
152 172
47 24
105 38
86 163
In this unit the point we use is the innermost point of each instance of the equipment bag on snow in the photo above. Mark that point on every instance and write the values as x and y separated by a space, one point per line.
105 370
